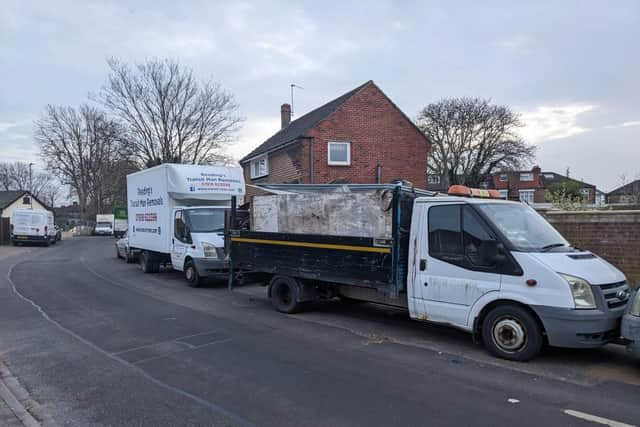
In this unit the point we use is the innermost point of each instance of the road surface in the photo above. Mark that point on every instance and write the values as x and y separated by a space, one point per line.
96 342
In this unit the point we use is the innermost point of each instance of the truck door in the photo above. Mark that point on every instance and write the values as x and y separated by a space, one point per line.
459 267
179 242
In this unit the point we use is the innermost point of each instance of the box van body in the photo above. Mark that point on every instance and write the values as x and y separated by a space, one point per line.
492 267
33 226
176 215
104 225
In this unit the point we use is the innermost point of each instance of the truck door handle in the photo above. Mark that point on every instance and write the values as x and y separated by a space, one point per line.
173 241
426 284
423 264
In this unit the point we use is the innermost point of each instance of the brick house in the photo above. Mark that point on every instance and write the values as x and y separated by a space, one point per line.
628 194
531 186
360 137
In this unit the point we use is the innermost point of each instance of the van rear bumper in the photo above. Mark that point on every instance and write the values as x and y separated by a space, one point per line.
211 267
28 238
566 327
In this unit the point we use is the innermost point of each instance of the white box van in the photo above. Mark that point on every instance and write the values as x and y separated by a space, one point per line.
32 225
104 225
176 214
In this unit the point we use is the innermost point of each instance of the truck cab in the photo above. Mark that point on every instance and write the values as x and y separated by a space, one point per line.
197 242
500 270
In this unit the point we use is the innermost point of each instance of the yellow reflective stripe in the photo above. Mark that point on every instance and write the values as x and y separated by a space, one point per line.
313 245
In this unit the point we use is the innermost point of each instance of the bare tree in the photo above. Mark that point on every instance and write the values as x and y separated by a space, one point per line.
17 176
83 148
170 115
471 139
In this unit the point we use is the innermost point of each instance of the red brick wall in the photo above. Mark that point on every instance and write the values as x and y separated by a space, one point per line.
614 235
285 167
379 134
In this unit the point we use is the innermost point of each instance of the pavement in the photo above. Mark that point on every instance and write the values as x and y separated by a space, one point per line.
93 341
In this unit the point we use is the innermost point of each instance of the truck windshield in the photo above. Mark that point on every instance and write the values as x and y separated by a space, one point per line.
204 220
104 224
523 226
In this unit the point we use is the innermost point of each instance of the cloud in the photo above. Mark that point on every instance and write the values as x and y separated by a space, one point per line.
631 123
548 122
5 126
254 133
515 43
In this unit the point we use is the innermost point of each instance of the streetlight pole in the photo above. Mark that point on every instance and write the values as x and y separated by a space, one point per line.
31 184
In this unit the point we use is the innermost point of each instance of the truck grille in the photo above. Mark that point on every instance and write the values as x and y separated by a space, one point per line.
611 295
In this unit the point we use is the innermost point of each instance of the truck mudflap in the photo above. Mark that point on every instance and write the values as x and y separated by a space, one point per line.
566 327
211 267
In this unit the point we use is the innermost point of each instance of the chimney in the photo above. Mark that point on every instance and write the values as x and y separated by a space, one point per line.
285 115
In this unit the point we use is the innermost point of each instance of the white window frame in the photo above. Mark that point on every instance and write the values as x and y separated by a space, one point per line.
528 176
433 179
585 192
504 194
338 163
263 170
526 200
505 176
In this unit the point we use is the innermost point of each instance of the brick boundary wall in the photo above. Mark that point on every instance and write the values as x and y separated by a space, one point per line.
614 235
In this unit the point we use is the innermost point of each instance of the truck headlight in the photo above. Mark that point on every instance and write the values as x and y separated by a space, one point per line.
209 250
635 305
581 292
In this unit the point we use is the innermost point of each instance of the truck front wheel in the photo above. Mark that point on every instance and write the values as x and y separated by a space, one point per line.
284 294
511 332
191 274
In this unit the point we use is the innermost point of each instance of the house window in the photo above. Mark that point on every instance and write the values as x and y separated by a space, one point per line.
504 194
26 200
548 176
584 192
527 196
527 176
504 177
433 179
339 153
259 167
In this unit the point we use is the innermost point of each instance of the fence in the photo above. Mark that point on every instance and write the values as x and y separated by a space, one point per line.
614 235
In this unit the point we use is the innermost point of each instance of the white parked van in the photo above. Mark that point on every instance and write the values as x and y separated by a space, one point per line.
176 215
32 225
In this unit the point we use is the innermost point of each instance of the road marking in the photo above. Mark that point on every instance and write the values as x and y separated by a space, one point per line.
596 419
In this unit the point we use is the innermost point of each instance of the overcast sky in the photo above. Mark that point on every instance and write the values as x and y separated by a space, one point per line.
571 68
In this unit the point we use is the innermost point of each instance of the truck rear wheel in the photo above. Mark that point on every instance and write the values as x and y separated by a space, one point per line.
284 294
146 263
511 332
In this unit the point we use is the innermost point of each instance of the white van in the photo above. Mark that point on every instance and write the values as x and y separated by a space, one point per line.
176 216
32 225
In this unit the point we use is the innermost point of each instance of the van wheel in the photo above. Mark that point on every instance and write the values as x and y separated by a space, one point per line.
191 274
284 294
128 257
47 243
511 332
145 262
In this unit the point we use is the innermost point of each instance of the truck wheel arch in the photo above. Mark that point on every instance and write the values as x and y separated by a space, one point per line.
480 316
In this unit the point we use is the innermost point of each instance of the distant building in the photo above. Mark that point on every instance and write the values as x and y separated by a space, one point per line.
531 186
361 137
628 194
68 216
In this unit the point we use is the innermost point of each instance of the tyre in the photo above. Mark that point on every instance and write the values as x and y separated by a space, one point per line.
191 274
47 243
284 294
118 253
512 332
15 243
146 263
128 257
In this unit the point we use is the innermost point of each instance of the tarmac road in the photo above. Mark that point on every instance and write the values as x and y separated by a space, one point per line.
94 341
